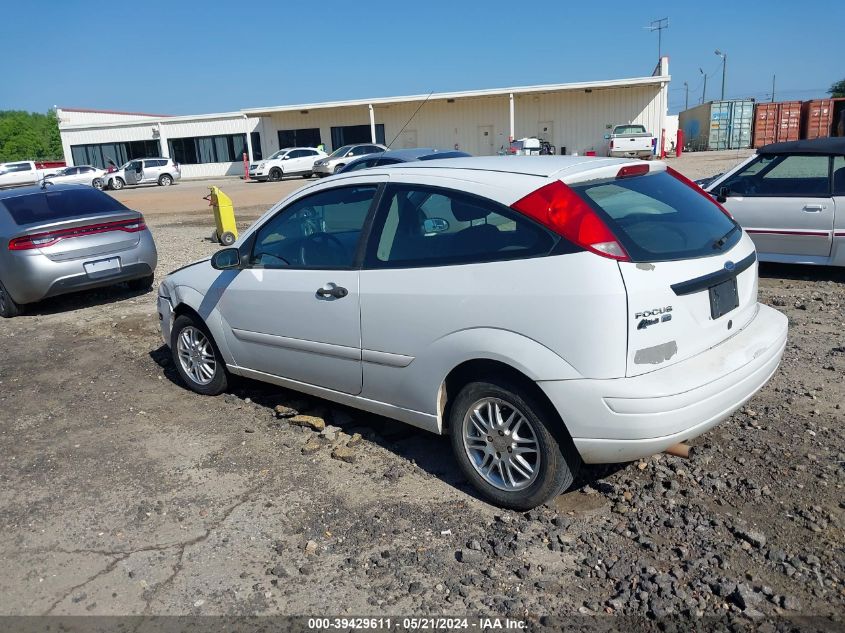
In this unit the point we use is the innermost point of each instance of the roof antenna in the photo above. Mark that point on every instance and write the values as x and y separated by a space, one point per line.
409 120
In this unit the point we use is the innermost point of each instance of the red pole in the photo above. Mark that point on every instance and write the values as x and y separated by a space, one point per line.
246 167
679 143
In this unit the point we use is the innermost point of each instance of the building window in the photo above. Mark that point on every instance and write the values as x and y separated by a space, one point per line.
256 146
104 154
305 137
349 134
193 150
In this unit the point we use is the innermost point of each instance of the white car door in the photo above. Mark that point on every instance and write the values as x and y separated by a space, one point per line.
294 312
784 203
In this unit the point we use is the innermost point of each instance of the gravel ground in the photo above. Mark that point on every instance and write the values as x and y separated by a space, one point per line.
123 493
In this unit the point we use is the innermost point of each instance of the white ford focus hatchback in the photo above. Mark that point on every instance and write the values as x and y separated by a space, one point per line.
542 311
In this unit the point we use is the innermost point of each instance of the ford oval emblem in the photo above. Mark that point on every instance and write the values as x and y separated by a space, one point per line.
729 265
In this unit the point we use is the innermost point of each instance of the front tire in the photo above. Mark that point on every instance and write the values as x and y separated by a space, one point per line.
503 441
275 175
165 180
117 183
196 357
9 308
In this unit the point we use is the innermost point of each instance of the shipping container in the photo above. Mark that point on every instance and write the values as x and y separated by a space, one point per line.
823 117
718 125
777 122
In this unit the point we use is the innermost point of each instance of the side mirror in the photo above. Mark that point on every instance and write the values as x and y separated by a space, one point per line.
723 194
226 259
607 137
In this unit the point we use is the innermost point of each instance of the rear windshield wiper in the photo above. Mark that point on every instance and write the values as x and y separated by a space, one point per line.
722 240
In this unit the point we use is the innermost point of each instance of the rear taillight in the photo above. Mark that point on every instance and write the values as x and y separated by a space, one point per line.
43 240
698 189
563 211
629 171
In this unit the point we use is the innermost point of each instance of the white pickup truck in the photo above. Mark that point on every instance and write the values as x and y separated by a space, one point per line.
27 172
630 140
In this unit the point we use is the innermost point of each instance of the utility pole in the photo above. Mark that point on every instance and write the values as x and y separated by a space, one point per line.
724 57
686 96
773 88
659 25
703 90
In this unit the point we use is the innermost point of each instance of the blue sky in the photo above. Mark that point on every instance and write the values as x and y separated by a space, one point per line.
187 57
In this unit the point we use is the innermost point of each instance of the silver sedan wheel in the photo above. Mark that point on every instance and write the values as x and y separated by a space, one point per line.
501 444
196 355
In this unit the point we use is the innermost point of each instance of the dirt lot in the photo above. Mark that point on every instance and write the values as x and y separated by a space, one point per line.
124 493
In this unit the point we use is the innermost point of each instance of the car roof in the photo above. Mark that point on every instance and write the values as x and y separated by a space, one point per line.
824 146
544 166
15 192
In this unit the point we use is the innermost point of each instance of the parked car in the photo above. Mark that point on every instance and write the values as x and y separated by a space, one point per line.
144 171
790 198
335 161
63 238
393 156
543 313
290 161
81 175
630 141
27 172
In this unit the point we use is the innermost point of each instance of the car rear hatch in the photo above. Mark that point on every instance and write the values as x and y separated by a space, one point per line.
73 223
690 273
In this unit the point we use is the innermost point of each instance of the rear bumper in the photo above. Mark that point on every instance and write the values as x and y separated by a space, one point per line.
628 418
33 276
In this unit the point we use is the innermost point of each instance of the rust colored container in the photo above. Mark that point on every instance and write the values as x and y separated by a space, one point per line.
822 118
777 122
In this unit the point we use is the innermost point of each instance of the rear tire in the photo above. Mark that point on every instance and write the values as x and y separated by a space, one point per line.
228 238
275 175
144 283
9 308
117 183
308 174
509 446
196 357
165 180
97 184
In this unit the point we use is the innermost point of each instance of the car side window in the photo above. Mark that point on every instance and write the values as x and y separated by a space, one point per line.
839 175
427 226
782 176
297 153
318 231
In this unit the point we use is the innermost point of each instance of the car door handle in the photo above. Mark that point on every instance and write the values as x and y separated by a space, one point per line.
332 290
814 208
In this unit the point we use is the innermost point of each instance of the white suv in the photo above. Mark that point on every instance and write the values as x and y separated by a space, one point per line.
290 161
144 171
542 312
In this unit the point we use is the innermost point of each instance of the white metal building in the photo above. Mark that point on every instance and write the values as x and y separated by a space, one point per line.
574 117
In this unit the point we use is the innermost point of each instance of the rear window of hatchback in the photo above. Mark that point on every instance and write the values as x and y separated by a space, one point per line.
52 206
659 218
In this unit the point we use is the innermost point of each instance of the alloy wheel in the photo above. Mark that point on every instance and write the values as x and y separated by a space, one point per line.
501 444
196 355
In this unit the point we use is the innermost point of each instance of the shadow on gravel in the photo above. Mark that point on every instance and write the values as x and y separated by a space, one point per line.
432 453
85 299
799 272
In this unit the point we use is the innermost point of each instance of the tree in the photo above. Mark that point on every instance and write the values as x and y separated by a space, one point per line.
837 89
29 136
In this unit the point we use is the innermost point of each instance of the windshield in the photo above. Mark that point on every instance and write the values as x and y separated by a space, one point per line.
280 153
659 218
340 151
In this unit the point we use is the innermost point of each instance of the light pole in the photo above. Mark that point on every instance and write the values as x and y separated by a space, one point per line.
724 57
704 89
686 96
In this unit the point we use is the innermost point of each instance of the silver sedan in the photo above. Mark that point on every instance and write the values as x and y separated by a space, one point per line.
63 238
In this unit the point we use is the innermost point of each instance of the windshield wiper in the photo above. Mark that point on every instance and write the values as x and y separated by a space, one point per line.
722 240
